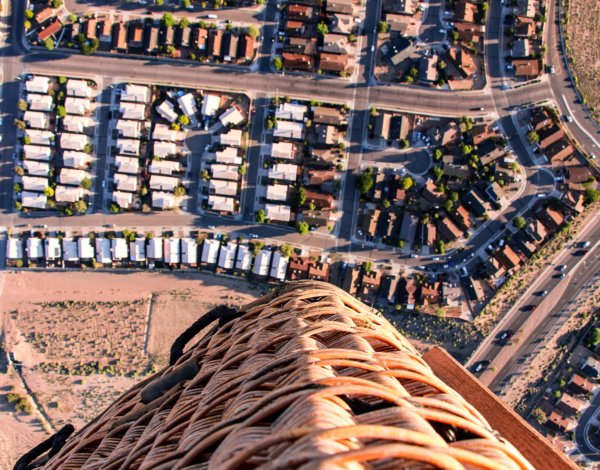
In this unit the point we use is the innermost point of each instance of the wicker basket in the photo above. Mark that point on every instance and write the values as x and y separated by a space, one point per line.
308 378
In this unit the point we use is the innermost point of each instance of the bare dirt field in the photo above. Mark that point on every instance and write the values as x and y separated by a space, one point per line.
84 338
581 32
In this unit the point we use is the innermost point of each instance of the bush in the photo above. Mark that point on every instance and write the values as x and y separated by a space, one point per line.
80 206
322 29
368 266
22 105
19 263
86 183
302 228
260 216
49 43
61 112
28 14
184 120
404 144
277 63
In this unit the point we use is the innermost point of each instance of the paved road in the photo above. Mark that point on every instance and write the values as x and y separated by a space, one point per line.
580 433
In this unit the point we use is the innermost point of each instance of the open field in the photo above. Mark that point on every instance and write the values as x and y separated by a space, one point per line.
581 32
84 338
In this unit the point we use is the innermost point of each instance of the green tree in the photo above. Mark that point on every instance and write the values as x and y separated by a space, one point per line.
286 250
311 207
518 222
466 149
437 174
22 105
386 203
28 14
533 137
260 216
18 205
160 3
61 112
368 266
595 336
183 22
205 175
448 205
339 167
440 247
253 31
557 393
183 120
406 183
49 192
56 3
167 20
179 191
242 170
440 312
454 36
86 183
17 187
114 208
302 228
26 140
382 27
277 63
591 195
322 29
404 144
364 182
19 171
256 247
20 124
81 206
408 79
539 415
301 197
437 154
454 196
49 43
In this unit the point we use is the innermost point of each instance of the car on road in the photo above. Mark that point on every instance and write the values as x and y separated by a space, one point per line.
544 293
561 276
360 234
585 244
481 365
104 184
562 268
592 156
253 235
506 335
568 118
344 265
552 69
212 227
510 67
372 48
464 271
414 256
14 156
532 307
445 266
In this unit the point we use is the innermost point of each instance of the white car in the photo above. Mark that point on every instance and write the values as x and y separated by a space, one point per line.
360 234
212 227
372 48
253 235
104 184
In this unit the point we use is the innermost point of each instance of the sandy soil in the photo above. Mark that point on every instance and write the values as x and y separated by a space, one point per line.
85 338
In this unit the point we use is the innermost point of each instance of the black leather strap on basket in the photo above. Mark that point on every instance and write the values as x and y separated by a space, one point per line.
222 313
52 444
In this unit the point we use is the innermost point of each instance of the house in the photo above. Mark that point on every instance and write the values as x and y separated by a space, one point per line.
187 103
78 88
453 169
232 117
462 60
408 292
352 280
341 24
210 251
163 183
289 130
318 271
248 44
210 104
75 141
473 33
521 48
370 221
460 215
404 25
35 248
537 231
46 32
429 234
137 250
52 249
569 404
303 46
283 172
277 192
154 251
370 284
70 254
315 218
318 177
35 152
136 32
225 172
122 199
399 127
488 151
106 30
261 264
119 39
278 212
163 132
528 68
464 11
135 93
408 229
126 182
578 384
296 61
189 252
335 44
74 159
591 367
283 150
243 260
298 268
291 112
162 200
43 14
71 176
329 116
508 258
333 62
387 291
119 249
130 129
162 149
76 124
167 111
527 7
171 250
229 47
551 218
39 137
473 289
128 146
493 268
475 203
233 138
34 183
448 230
294 28
279 266
33 200
539 120
135 111
432 194
444 135
321 201
559 152
478 134
299 12
573 200
78 106
549 135
39 102
67 194
129 165
227 256
340 6
222 187
164 167
403 7
382 125
577 174
221 204
431 293
36 119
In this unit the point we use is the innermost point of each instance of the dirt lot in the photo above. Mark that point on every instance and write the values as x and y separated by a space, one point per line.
581 31
84 338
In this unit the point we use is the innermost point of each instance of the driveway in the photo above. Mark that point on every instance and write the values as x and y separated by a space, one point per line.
429 32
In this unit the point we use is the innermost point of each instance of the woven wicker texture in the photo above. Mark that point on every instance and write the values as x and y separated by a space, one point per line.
307 378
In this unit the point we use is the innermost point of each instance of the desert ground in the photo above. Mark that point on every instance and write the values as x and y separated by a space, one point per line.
86 337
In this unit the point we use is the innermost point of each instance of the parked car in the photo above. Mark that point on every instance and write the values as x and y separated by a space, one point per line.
253 235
